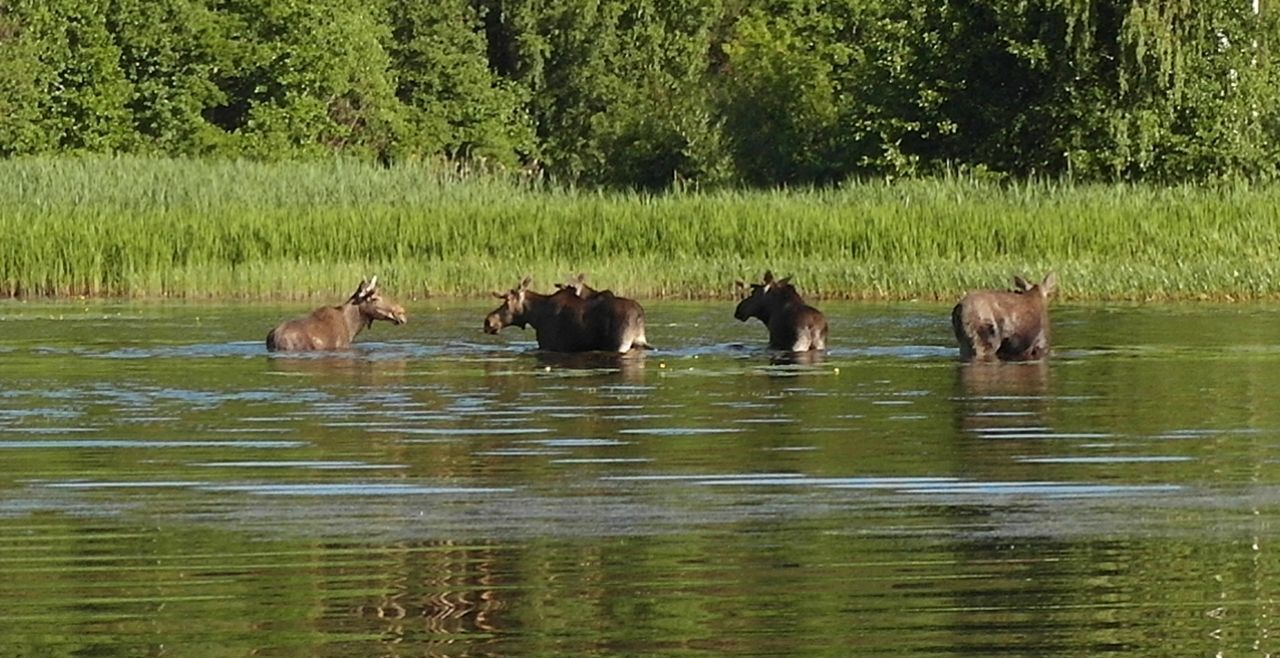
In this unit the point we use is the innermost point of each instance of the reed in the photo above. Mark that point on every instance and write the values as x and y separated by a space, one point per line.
193 228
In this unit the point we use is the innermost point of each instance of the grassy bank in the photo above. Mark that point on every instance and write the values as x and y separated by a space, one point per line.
184 228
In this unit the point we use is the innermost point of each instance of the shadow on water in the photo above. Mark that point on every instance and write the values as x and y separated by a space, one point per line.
631 366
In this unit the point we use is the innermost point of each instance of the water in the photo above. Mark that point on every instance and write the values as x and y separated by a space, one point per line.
172 489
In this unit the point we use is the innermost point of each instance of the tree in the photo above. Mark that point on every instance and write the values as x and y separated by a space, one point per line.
457 105
308 78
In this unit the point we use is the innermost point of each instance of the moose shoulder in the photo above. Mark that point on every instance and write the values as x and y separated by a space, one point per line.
1011 325
566 322
793 325
334 327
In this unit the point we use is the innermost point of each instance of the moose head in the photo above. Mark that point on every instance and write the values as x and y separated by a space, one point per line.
373 306
512 310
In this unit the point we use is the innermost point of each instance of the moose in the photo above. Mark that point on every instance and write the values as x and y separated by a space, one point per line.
1009 325
567 322
793 325
334 327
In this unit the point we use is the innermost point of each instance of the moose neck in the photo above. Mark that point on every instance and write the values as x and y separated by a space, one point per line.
537 307
355 319
1033 300
780 298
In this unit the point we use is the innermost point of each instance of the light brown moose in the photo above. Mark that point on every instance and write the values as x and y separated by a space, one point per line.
1010 325
793 325
334 327
565 322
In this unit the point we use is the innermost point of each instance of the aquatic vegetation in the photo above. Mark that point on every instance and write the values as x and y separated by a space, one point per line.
186 228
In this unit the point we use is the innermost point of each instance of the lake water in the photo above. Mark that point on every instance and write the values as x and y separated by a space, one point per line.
170 489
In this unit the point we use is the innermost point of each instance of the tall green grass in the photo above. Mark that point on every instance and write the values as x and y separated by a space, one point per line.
186 228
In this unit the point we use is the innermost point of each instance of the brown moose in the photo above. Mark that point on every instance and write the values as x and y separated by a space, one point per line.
334 327
1010 325
565 322
793 325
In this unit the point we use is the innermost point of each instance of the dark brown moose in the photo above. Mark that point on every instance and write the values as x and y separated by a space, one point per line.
793 325
1010 325
334 327
565 322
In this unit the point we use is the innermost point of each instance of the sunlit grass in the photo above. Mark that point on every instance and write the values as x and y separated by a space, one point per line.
185 228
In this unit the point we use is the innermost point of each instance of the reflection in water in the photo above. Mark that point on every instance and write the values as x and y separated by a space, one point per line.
998 398
441 590
806 358
630 365
981 379
435 497
339 365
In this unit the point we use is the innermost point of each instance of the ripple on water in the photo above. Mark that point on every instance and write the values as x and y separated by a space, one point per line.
927 485
326 489
462 431
241 349
602 460
352 489
1117 459
519 452
579 443
679 431
308 465
144 443
1023 433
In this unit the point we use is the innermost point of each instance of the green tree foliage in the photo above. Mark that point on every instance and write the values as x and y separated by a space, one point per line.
25 83
650 93
456 104
171 52
70 91
619 89
781 99
308 77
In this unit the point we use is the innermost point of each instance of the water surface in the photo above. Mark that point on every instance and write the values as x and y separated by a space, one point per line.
172 489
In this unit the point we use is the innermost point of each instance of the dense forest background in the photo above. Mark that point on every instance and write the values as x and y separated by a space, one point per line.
651 93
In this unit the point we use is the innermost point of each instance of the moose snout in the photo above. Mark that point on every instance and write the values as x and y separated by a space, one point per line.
398 316
492 325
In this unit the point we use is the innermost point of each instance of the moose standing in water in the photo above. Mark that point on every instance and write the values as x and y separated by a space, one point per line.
566 322
793 325
334 327
1010 325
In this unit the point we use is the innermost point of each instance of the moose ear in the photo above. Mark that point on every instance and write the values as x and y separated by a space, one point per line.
1049 284
768 276
1020 284
784 282
740 284
500 295
524 284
